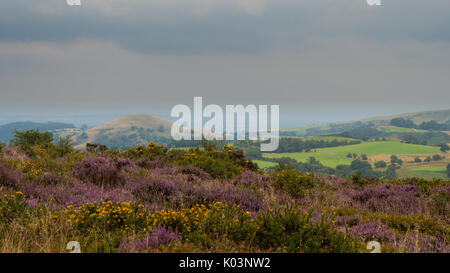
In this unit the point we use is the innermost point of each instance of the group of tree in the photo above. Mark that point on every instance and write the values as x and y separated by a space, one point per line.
286 145
426 125
312 165
355 156
364 133
395 161
364 169
27 140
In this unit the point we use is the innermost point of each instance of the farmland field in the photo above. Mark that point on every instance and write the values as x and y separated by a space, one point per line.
428 173
377 150
331 160
395 129
381 147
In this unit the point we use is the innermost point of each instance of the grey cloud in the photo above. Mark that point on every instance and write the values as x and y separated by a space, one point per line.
176 28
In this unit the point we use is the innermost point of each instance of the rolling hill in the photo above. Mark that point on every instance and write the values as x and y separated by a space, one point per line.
127 131
441 116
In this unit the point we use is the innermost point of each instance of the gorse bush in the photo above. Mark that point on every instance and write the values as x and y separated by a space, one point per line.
108 216
291 228
293 182
13 207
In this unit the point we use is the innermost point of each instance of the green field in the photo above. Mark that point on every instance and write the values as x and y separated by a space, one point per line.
334 156
381 147
329 138
429 173
395 129
330 160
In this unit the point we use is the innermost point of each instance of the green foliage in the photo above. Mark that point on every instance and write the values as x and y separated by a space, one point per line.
395 160
292 229
448 170
401 122
28 139
444 147
442 202
380 164
13 207
225 163
359 165
2 145
151 151
292 181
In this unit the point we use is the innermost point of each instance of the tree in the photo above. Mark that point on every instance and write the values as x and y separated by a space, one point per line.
417 160
28 139
448 170
364 157
31 138
444 147
395 160
380 164
359 165
401 122
390 172
64 146
436 157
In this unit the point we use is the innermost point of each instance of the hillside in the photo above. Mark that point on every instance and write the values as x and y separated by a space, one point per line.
126 131
7 130
441 116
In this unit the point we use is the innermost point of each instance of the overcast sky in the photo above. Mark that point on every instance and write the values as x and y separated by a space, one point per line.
320 60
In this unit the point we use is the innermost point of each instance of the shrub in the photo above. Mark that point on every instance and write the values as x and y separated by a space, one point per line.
293 182
442 202
108 216
370 231
101 171
292 229
13 207
9 177
389 198
159 236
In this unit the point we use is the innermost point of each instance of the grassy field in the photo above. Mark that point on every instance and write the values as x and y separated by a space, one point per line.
428 173
381 147
378 150
330 160
395 129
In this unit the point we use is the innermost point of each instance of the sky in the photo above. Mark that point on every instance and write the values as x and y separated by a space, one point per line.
320 60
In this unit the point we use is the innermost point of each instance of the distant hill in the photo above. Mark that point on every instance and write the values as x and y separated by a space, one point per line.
127 131
7 130
441 116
